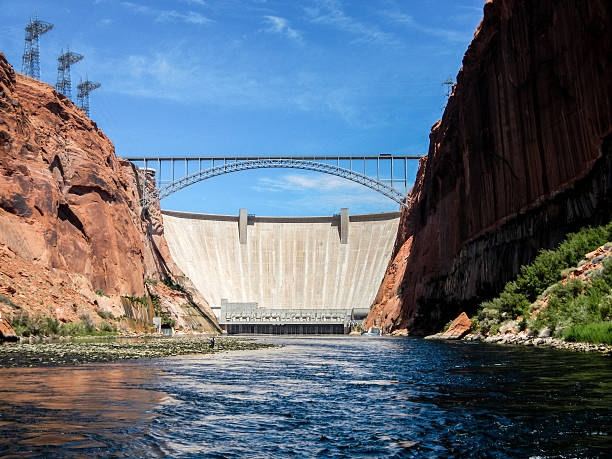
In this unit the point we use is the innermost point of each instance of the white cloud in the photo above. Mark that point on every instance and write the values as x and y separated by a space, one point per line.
194 2
331 13
295 182
409 21
167 15
281 26
322 194
211 77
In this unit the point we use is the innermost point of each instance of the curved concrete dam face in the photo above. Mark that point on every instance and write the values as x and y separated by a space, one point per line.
284 262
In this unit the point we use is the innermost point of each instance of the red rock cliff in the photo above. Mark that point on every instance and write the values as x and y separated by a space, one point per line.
520 158
70 216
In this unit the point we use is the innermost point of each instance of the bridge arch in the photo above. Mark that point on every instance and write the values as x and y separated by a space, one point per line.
283 163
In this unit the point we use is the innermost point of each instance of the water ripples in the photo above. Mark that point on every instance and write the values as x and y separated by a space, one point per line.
327 397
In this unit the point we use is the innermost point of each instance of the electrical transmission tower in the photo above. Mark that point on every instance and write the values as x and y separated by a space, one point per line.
85 87
64 83
30 64
449 83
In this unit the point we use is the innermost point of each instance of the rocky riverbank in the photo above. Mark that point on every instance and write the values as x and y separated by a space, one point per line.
526 340
75 352
460 329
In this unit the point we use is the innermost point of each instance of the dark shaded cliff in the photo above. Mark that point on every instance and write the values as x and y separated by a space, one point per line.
71 223
521 157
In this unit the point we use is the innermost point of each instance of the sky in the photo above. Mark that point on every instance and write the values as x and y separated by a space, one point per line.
259 77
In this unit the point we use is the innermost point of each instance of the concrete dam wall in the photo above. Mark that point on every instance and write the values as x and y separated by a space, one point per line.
283 262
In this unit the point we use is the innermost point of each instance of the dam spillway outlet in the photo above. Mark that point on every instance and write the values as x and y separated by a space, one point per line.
248 318
292 270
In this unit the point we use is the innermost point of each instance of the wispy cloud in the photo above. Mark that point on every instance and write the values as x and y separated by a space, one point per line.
194 2
322 193
190 17
295 182
177 75
331 13
329 204
281 26
409 21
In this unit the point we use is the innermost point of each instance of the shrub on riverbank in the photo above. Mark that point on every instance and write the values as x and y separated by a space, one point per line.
26 326
595 333
571 304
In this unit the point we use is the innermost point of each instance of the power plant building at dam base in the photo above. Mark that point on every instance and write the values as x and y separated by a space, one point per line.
284 275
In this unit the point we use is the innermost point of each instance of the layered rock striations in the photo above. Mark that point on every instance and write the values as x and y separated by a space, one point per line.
521 157
71 223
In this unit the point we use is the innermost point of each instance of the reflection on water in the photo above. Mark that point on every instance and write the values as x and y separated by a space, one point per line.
75 408
321 396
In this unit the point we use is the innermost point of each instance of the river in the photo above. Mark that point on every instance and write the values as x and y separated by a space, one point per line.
317 396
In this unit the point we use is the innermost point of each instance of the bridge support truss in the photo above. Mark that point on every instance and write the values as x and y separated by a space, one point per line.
386 174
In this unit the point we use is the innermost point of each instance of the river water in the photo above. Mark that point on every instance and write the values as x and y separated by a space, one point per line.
317 396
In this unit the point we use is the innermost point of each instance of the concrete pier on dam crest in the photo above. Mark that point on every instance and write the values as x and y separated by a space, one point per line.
284 274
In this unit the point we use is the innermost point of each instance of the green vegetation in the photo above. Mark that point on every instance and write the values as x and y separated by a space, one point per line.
596 333
171 285
159 312
101 293
106 315
166 320
25 325
6 300
576 310
137 299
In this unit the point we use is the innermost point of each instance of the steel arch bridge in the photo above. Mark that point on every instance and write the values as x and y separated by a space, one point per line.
352 168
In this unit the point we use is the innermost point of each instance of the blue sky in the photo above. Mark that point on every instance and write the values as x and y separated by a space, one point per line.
257 77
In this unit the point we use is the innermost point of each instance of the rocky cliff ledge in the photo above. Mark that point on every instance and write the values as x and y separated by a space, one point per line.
522 156
71 223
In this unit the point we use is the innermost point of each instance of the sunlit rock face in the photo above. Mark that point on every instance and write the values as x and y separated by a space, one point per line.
70 216
520 158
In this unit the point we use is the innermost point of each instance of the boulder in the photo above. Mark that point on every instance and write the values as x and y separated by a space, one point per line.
509 327
6 331
545 333
458 328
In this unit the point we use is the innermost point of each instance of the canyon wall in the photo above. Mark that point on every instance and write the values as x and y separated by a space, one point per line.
71 223
521 157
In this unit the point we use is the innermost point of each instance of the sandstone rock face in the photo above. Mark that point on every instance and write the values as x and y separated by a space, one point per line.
184 309
71 222
6 331
458 328
521 157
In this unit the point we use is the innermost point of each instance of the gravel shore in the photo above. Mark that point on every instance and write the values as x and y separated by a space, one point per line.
75 352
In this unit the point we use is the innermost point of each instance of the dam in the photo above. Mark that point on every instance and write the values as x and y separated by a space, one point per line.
284 274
